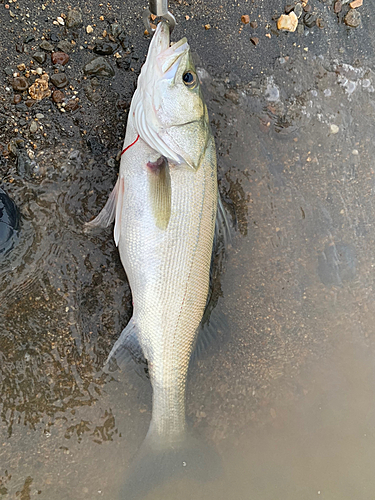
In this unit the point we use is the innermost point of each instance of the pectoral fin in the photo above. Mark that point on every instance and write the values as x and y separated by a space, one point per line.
107 214
160 191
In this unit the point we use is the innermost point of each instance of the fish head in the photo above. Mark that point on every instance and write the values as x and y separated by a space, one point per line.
168 109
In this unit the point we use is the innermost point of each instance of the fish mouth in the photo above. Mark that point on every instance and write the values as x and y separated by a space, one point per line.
167 54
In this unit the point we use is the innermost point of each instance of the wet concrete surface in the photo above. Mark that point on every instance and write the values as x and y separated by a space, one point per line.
286 393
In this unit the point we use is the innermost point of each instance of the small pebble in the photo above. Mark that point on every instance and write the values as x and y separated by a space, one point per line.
104 48
355 152
116 29
33 127
89 29
356 4
39 116
21 67
40 57
287 23
72 105
20 84
298 10
309 20
352 18
59 80
59 58
29 38
307 7
17 98
245 19
100 67
334 129
207 26
288 8
39 71
60 20
64 46
254 24
48 47
58 96
337 6
254 40
73 18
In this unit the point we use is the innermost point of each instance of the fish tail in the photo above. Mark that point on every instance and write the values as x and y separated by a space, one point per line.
160 464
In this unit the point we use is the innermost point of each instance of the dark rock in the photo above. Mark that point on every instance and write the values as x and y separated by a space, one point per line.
91 94
21 106
95 82
95 145
123 105
254 40
124 40
59 80
29 38
307 7
124 62
58 96
116 29
20 48
26 167
72 105
288 8
253 24
73 18
17 99
135 56
353 18
309 20
8 70
20 84
100 67
3 120
9 222
104 48
59 58
48 47
54 37
29 103
40 57
64 46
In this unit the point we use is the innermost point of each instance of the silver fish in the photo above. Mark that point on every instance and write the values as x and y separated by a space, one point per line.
164 205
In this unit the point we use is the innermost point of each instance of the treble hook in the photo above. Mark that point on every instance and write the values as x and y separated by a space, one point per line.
158 8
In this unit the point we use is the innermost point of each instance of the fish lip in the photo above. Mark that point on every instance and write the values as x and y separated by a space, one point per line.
161 39
166 55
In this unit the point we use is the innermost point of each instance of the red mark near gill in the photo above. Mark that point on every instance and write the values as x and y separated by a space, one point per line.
130 145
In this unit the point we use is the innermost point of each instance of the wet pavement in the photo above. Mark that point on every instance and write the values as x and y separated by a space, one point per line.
286 392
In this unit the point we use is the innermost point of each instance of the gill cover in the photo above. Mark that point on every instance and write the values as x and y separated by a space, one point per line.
169 115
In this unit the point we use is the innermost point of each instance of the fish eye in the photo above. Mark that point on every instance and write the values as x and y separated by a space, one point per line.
190 79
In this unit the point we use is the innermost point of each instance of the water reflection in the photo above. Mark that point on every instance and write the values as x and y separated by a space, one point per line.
286 396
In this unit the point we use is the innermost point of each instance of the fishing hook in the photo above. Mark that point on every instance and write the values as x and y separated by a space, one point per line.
158 8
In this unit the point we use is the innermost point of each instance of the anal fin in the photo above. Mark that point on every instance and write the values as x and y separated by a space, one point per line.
125 349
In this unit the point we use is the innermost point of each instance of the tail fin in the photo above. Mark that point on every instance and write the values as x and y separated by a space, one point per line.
158 465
